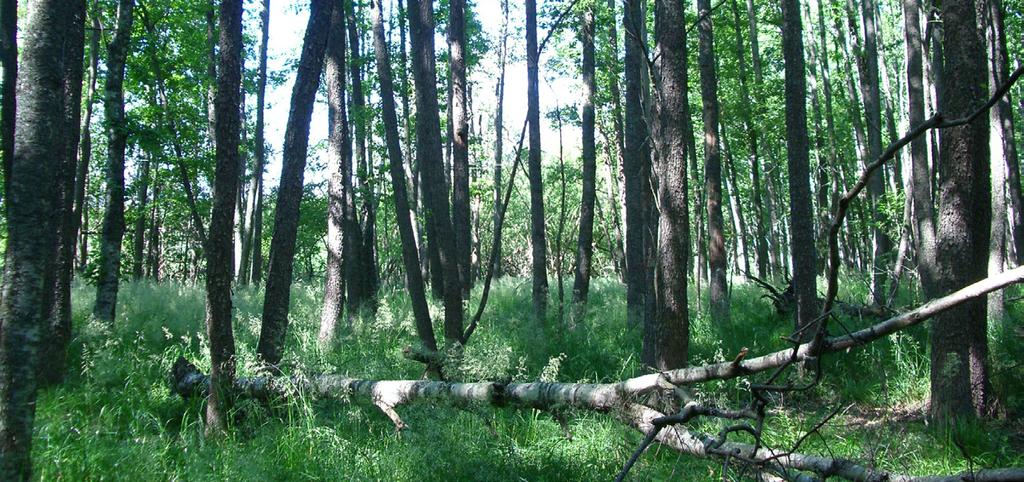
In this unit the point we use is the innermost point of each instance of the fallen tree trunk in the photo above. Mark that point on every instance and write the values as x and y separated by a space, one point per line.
623 398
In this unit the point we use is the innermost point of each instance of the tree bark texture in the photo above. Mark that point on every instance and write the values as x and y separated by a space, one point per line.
585 241
666 337
116 128
718 289
219 245
39 146
802 249
959 355
538 243
403 212
286 217
429 155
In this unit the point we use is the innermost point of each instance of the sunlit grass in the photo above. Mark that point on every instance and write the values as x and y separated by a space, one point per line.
115 418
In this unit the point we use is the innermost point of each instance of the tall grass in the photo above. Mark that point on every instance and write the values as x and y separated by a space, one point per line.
115 419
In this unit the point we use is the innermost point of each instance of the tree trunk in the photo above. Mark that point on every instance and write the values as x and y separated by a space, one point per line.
428 139
801 218
636 167
499 138
82 174
666 337
39 146
256 185
538 241
718 289
403 213
117 138
747 114
286 216
616 165
881 244
585 242
339 184
219 245
57 283
364 285
1003 140
8 91
139 241
460 142
959 356
153 245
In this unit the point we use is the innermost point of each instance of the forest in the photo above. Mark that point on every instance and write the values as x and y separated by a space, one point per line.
499 240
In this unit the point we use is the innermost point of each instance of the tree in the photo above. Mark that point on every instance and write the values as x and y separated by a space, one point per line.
959 340
410 253
461 220
585 242
340 210
219 245
499 137
56 302
538 243
8 90
117 139
252 256
429 158
666 337
921 178
39 146
718 284
881 244
289 195
363 278
637 169
801 217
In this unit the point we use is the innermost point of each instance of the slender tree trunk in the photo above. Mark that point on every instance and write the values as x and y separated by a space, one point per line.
254 213
117 138
585 242
39 146
459 124
747 114
82 173
219 247
617 165
211 69
403 213
718 289
636 167
364 286
538 241
1002 127
153 244
289 196
800 212
428 138
339 162
499 137
881 244
139 241
9 62
959 375
736 203
666 337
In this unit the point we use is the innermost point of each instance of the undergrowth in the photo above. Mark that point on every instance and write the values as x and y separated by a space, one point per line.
115 418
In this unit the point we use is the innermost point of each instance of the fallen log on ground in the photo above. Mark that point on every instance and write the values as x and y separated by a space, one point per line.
629 399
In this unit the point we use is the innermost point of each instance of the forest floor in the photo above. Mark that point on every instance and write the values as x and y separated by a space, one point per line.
116 419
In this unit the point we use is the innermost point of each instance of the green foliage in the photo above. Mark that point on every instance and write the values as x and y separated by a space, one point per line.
115 419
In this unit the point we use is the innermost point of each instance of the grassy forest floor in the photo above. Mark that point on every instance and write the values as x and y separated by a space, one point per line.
115 418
